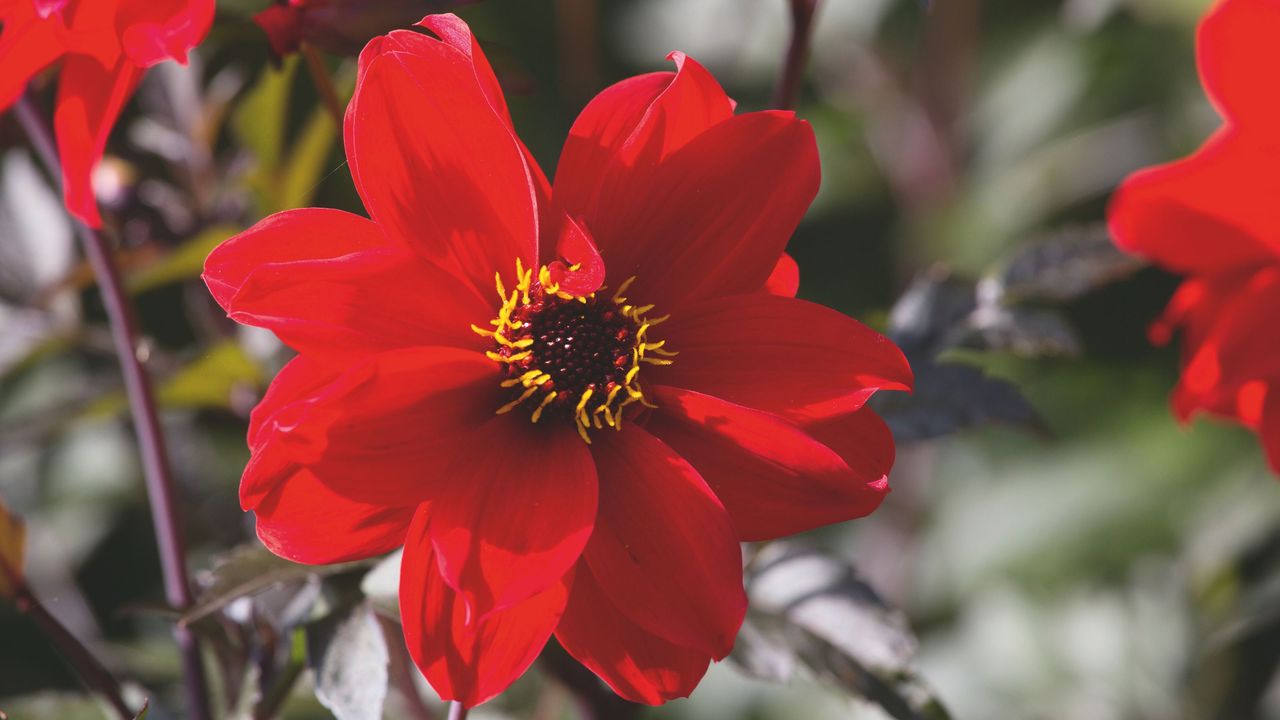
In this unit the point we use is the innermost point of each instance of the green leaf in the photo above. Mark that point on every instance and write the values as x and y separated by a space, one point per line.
348 654
285 175
259 122
209 381
308 160
206 382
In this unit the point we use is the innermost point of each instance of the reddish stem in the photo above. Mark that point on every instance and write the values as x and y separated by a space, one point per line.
324 84
95 676
457 711
788 90
146 423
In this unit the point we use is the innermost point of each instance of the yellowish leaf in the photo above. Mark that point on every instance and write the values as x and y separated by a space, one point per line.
13 543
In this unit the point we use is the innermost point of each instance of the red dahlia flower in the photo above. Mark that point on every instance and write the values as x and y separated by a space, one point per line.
568 403
1215 217
106 45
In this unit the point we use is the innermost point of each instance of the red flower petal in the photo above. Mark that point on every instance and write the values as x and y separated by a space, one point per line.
152 31
513 512
714 217
369 433
638 665
1237 55
630 127
328 282
1242 346
301 519
283 26
455 33
664 551
451 30
1211 212
576 249
464 662
785 278
865 443
437 167
780 355
86 22
293 389
90 98
774 478
27 45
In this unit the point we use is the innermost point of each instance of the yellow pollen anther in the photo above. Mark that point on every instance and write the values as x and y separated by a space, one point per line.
547 400
512 405
586 395
519 324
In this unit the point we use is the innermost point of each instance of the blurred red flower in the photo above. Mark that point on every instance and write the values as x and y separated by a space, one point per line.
1215 217
341 27
106 46
582 451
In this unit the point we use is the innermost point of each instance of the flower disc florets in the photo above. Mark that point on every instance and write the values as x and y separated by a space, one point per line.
575 356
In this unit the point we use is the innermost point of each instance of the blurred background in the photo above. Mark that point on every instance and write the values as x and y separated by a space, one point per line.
1056 547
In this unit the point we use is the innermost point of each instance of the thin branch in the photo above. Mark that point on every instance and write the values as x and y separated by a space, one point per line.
146 422
578 47
95 676
788 90
323 82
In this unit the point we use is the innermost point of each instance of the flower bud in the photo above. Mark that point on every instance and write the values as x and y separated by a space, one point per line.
341 27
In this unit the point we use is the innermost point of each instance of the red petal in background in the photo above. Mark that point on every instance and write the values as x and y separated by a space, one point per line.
1212 212
1236 47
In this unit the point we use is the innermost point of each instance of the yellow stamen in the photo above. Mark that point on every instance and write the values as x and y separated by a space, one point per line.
512 405
537 412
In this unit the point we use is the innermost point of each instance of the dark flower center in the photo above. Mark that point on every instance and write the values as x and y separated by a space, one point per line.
571 356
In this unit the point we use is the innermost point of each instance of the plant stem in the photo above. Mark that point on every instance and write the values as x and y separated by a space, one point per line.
146 422
324 84
457 711
96 677
788 90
